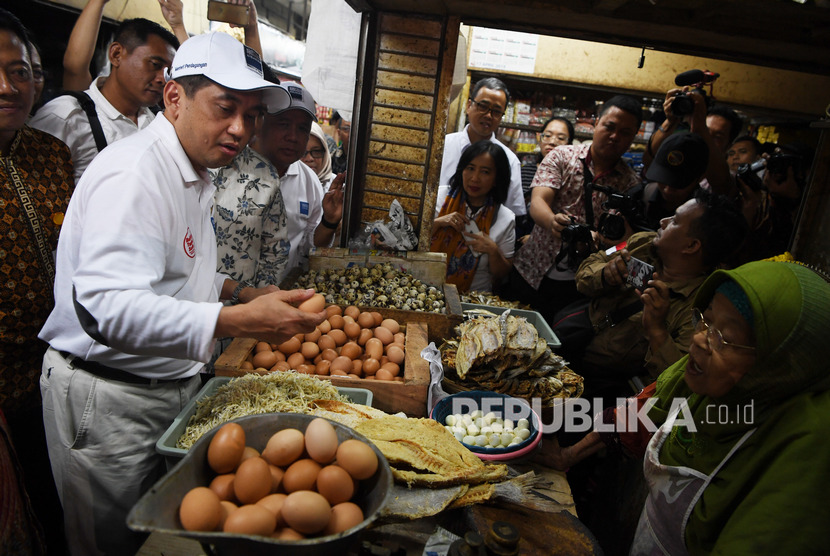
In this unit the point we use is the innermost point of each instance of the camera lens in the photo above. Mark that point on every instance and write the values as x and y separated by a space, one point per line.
612 226
682 105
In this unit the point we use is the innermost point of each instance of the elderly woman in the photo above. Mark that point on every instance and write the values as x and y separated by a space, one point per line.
472 225
741 468
317 156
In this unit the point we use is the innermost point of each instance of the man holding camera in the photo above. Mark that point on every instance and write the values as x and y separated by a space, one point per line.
716 124
564 215
647 329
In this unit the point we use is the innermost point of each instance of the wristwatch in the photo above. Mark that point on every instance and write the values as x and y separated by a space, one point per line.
235 295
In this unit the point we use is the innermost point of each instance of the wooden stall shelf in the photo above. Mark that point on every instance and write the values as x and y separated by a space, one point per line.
409 396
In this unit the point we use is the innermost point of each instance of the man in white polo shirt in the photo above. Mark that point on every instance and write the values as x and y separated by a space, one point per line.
138 296
485 108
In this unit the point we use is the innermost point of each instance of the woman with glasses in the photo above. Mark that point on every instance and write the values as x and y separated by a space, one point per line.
556 131
317 156
740 466
472 225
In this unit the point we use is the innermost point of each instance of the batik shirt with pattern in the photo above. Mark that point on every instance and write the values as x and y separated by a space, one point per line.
43 165
563 170
251 233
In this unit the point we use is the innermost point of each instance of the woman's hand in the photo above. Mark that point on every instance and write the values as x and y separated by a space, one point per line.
481 243
559 222
455 220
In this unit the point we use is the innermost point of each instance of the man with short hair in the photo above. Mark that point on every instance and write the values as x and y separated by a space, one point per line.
743 150
138 296
311 216
35 185
646 331
543 274
138 56
485 108
674 176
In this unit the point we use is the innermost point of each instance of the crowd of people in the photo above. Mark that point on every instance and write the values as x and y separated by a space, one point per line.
177 226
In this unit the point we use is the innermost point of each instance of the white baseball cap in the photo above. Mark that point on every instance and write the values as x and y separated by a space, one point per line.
301 99
229 63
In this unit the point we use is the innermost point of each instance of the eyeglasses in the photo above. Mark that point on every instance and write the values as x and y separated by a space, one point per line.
547 137
484 108
713 335
315 153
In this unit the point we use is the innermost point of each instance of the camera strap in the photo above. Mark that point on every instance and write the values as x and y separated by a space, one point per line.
588 190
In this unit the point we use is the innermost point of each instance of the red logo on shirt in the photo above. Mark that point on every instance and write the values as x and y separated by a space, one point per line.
189 245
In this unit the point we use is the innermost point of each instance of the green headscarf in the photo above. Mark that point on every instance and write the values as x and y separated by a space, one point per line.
789 383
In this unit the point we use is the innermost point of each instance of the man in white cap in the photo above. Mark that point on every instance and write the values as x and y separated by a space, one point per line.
138 296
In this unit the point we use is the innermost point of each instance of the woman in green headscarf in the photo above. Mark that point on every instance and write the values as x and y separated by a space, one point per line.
743 466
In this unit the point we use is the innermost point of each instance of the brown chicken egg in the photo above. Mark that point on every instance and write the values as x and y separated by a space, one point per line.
310 350
264 359
295 360
247 366
393 368
337 372
262 346
352 330
287 534
338 335
364 336
313 336
374 348
226 448
284 447
344 515
336 322
249 452
366 320
306 512
227 508
335 484
351 350
326 342
341 363
313 304
324 327
333 310
253 480
281 366
391 325
357 367
357 458
222 485
276 477
378 318
290 346
300 475
321 441
200 510
400 338
251 519
370 366
395 354
351 311
383 334
384 374
323 367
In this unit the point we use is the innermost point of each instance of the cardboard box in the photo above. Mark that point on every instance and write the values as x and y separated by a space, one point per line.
409 396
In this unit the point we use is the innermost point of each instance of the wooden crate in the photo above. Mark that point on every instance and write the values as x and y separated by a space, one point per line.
409 396
431 268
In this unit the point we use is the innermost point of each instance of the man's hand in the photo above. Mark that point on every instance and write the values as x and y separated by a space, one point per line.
171 10
272 317
615 271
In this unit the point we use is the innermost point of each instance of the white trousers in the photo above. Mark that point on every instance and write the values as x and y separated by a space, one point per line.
101 436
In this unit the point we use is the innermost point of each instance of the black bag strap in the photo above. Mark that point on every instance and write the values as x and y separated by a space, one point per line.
88 106
615 317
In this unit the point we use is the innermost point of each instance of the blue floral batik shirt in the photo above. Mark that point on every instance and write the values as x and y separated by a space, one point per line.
251 233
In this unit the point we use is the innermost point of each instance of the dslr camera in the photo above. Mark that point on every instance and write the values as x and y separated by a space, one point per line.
628 205
577 244
748 175
778 164
683 104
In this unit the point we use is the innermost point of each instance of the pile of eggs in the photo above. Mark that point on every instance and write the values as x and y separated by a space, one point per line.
300 486
349 343
487 431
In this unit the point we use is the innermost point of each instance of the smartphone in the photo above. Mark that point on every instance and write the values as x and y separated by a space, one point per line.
228 13
470 229
639 273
